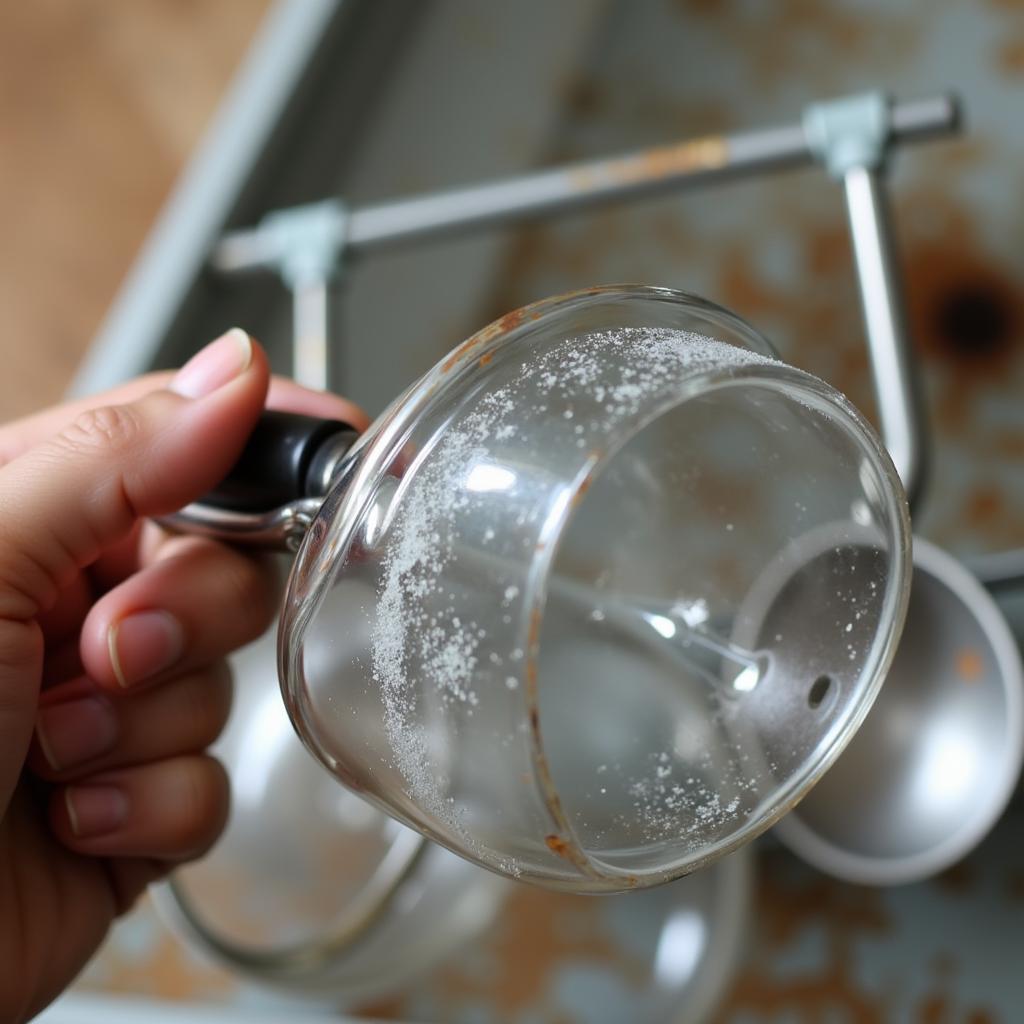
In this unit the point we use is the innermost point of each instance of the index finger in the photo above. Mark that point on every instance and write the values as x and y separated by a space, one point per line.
284 394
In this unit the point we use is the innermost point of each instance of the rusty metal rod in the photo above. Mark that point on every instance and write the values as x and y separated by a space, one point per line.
575 186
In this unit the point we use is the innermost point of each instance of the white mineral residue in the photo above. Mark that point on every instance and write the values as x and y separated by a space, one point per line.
422 648
672 803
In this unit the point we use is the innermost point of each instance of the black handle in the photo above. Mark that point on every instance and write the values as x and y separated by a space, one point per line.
280 463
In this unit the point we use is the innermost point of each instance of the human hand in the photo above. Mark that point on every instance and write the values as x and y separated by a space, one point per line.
113 635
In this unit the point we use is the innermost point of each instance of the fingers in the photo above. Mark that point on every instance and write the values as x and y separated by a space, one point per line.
197 603
16 438
65 500
130 876
81 731
130 781
168 810
291 397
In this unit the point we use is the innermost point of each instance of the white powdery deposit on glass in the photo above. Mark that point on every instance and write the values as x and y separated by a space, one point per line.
581 393
696 802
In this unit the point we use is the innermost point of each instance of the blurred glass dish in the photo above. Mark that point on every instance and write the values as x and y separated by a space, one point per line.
310 889
280 899
547 543
664 956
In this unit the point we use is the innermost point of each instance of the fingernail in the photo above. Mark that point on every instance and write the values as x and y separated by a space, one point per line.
95 810
143 644
214 366
72 733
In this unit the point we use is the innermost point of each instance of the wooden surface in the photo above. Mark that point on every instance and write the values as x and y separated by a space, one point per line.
101 103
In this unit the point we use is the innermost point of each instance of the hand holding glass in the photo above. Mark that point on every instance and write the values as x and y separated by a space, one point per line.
577 551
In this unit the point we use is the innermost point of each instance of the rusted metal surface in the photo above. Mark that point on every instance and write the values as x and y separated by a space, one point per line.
941 952
777 251
550 958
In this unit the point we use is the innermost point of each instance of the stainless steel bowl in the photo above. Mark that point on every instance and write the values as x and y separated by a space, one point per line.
939 755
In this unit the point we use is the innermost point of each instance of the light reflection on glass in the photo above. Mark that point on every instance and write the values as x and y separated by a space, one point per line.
485 476
665 626
265 742
372 523
747 679
679 948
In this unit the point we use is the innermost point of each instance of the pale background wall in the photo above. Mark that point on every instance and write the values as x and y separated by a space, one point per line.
101 102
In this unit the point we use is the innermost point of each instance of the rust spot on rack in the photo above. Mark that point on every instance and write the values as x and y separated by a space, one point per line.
966 314
964 311
776 40
992 513
537 933
789 906
827 250
585 97
654 165
984 507
974 320
1011 57
1008 445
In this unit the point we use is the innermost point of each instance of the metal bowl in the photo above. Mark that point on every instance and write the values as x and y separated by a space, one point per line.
939 755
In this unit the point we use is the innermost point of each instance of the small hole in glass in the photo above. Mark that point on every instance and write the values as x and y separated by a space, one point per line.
818 691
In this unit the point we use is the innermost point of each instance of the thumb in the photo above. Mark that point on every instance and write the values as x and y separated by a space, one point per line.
65 500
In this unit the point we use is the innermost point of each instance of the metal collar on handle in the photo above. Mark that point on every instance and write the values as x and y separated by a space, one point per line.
280 529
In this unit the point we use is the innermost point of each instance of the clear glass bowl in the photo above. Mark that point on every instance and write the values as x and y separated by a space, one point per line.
557 543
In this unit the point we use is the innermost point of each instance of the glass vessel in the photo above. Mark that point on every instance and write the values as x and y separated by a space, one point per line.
555 544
